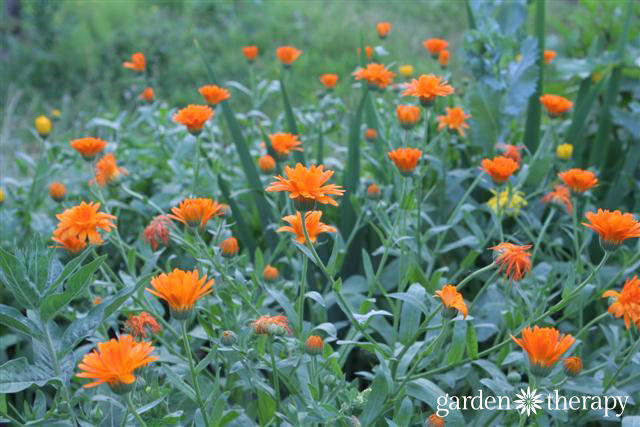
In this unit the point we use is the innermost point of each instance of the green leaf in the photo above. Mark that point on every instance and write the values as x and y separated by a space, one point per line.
75 285
12 318
534 111
291 119
14 276
375 400
18 374
410 314
69 268
266 407
458 341
179 383
38 183
472 342
241 225
426 391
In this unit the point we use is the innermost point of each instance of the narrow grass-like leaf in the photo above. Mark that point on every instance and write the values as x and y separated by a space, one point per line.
586 98
534 110
292 127
241 225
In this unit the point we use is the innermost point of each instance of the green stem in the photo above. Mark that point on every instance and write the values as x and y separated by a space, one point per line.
196 174
303 282
132 409
466 280
274 372
621 366
576 241
541 235
192 370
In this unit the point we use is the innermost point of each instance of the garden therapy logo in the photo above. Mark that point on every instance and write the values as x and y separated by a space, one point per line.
530 401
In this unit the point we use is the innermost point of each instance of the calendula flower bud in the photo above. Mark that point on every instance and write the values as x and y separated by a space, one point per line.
434 421
267 164
229 247
270 273
514 377
57 191
373 192
314 345
228 338
572 366
370 134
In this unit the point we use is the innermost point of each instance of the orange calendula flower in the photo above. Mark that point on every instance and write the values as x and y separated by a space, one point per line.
329 80
561 196
271 325
454 120
193 117
376 75
180 289
370 134
579 180
147 94
270 273
549 55
158 231
267 164
626 303
88 147
142 326
214 94
306 186
115 361
373 191
57 191
499 168
229 247
137 63
107 170
71 244
452 300
435 46
544 346
83 222
383 29
314 345
405 159
613 227
312 223
443 58
195 212
284 143
572 366
435 421
408 115
511 151
250 52
288 55
556 105
427 88
368 52
513 260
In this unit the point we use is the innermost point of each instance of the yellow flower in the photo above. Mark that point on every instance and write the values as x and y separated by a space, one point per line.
43 125
55 113
564 151
406 70
510 204
1 195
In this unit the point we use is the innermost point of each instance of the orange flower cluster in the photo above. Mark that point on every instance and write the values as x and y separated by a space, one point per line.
307 185
405 159
88 147
427 88
454 120
376 75
81 223
513 260
214 94
194 212
271 325
287 55
578 180
499 168
452 299
193 117
312 223
556 105
181 289
626 303
544 346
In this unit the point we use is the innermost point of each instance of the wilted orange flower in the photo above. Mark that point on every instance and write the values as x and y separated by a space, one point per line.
193 117
229 247
71 244
180 289
329 80
560 195
500 168
572 365
626 302
435 421
214 94
267 164
368 52
158 231
427 88
435 46
544 346
370 134
88 147
555 105
270 273
454 120
314 345
57 191
284 143
83 222
383 29
142 326
579 180
306 185
373 191
514 260
312 223
250 52
97 301
511 151
443 58
408 115
147 94
115 361
549 55
613 227
405 159
107 170
271 325
195 212
452 299
287 54
376 75
138 62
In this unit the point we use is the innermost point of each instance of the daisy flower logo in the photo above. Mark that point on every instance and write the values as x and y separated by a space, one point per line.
528 401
